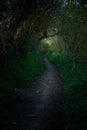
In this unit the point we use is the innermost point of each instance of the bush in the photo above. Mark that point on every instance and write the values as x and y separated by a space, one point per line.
75 90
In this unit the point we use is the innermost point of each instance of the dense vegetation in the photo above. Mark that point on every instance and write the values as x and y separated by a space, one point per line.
17 72
21 31
73 65
75 90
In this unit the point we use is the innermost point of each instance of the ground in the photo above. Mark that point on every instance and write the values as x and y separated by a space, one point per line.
39 105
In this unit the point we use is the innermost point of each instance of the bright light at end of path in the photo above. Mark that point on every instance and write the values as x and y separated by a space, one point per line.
48 41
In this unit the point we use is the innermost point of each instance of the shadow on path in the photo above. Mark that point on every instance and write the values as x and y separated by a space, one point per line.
39 106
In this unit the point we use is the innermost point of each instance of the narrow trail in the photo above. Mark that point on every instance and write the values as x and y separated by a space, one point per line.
39 106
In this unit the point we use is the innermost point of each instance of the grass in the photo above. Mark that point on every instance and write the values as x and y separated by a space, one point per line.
22 68
29 68
75 90
16 72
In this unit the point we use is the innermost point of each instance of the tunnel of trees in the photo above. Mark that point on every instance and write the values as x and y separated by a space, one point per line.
21 22
31 30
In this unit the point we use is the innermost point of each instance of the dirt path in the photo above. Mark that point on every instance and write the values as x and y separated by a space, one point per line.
40 105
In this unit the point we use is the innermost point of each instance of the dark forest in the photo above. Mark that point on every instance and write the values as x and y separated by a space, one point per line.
43 64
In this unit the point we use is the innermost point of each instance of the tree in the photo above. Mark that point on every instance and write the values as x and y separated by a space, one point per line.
83 2
17 12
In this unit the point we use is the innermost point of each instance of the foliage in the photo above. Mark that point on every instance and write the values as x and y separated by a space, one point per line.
73 29
75 90
17 72
19 32
83 2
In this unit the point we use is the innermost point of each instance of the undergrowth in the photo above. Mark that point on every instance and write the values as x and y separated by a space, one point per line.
16 72
75 90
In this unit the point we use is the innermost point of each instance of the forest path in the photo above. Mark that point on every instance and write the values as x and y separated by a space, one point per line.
39 106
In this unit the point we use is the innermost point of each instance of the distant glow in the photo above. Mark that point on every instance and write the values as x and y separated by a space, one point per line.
48 41
52 44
